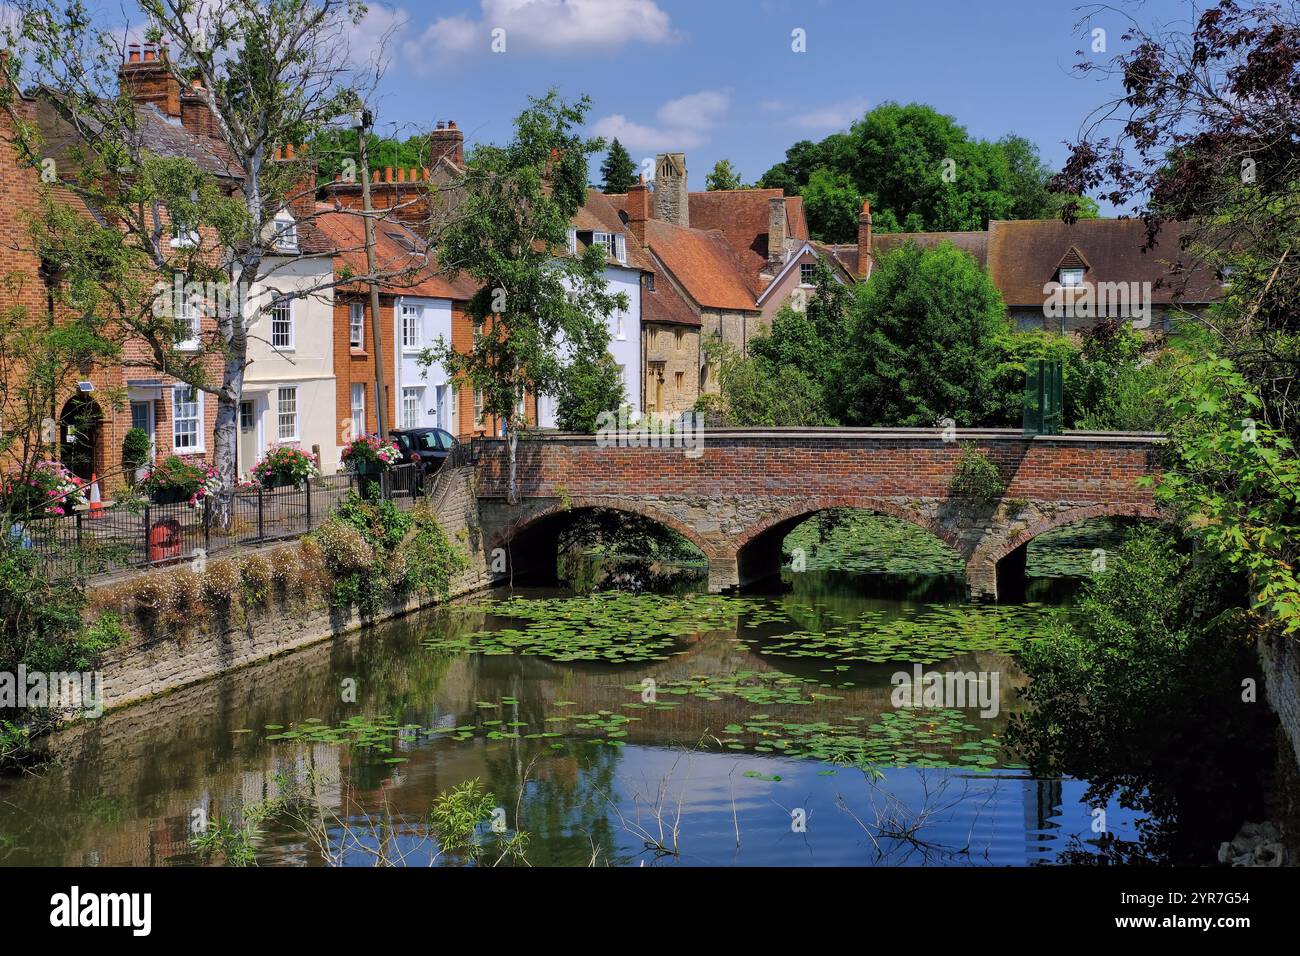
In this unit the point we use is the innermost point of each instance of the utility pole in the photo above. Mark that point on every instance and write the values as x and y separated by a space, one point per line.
362 120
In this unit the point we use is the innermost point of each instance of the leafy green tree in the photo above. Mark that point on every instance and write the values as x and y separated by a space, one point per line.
589 385
832 204
618 171
921 343
722 176
922 172
755 392
332 148
535 302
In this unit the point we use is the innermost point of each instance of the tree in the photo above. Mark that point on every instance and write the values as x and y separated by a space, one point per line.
723 176
921 170
1207 133
537 307
589 385
618 171
271 75
921 343
832 204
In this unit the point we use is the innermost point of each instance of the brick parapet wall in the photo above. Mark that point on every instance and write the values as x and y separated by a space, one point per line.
1079 467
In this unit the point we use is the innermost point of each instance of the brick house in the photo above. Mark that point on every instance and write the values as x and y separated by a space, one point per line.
107 401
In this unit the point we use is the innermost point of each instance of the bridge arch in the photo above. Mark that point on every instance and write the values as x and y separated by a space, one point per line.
997 568
758 549
531 538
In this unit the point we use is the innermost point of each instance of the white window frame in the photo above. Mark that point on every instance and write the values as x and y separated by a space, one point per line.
411 416
183 238
620 330
197 418
605 239
191 312
357 326
479 417
285 235
620 247
358 409
416 314
285 301
1061 273
280 391
572 236
812 270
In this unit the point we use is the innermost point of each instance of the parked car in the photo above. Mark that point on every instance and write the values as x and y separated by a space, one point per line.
429 446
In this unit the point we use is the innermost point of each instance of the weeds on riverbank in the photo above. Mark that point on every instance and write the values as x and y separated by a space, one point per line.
367 554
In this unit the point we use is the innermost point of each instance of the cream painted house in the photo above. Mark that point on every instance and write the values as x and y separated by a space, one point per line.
289 385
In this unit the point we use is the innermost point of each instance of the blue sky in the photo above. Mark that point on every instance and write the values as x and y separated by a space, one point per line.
719 78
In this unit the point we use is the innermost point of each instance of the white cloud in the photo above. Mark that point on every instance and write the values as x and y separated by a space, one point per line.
549 26
831 116
377 34
683 123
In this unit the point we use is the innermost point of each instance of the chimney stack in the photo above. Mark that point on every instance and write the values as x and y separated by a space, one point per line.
447 140
864 240
638 210
147 76
672 197
776 232
301 195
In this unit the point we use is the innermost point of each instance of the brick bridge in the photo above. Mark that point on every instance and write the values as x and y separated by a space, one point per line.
751 487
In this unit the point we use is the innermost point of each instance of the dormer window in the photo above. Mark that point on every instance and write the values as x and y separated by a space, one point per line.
286 233
605 239
1071 278
620 248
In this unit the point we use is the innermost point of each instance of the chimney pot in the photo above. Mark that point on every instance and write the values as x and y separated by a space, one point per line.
451 124
401 175
388 174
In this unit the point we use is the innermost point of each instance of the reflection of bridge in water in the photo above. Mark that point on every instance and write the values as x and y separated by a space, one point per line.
132 781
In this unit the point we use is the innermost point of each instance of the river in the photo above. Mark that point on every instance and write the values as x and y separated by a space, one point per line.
615 729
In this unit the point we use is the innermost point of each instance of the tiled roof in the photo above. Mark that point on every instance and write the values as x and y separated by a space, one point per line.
666 306
1024 255
975 243
397 250
600 214
846 255
155 132
741 216
797 222
704 263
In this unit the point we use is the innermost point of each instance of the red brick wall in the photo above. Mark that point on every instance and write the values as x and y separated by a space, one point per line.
1045 469
353 366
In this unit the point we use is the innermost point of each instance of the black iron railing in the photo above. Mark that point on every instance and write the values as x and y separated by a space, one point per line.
122 537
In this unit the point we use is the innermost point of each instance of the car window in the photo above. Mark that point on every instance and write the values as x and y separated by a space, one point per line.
429 441
403 443
448 442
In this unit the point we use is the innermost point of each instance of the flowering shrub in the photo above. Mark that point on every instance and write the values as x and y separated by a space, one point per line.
371 448
285 466
50 491
174 477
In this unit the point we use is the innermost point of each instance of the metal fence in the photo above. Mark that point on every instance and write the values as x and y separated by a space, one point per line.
140 536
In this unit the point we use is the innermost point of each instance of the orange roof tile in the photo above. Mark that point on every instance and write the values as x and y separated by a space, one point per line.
397 250
704 264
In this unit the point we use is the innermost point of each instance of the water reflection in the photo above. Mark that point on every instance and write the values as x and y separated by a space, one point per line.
592 773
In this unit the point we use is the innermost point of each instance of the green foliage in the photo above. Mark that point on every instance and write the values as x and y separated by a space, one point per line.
755 392
976 476
331 148
921 170
1130 692
458 816
722 176
832 203
1014 350
135 449
921 342
510 238
618 171
589 386
1235 482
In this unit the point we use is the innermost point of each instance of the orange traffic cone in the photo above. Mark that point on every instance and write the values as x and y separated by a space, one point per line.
96 503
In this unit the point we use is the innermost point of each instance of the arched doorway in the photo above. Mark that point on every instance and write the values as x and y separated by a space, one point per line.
80 428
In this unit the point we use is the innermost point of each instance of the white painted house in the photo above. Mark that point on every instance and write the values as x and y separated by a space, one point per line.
422 397
289 386
598 223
